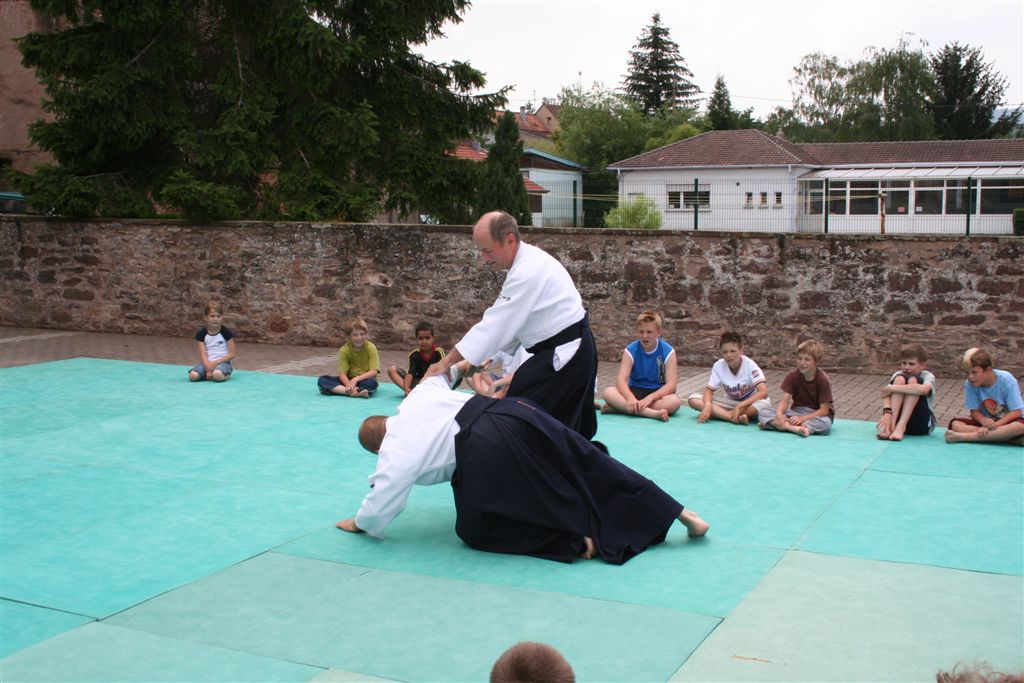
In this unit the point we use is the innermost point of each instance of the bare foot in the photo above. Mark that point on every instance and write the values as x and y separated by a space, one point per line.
953 437
589 550
663 415
349 525
363 393
607 408
897 435
743 419
803 431
695 526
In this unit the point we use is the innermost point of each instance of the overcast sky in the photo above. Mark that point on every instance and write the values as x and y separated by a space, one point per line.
538 46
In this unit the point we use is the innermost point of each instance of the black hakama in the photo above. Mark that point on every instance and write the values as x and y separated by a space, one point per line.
568 394
524 483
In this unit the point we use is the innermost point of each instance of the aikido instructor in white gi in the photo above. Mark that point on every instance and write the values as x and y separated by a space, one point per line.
539 308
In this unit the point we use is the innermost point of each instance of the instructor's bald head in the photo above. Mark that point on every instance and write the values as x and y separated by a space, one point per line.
496 234
372 431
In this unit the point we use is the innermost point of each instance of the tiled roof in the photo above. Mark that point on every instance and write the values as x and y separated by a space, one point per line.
533 188
924 152
722 148
466 150
527 122
757 148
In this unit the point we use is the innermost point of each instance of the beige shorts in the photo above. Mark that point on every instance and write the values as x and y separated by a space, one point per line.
731 403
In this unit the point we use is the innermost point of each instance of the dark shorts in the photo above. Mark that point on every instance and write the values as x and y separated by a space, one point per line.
921 422
640 393
328 382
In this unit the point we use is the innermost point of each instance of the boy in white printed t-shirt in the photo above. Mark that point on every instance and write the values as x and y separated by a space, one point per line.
746 391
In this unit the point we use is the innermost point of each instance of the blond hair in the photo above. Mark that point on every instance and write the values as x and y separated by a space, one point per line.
649 317
355 324
976 358
812 348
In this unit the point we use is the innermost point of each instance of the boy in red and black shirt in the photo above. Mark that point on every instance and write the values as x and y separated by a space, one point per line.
426 353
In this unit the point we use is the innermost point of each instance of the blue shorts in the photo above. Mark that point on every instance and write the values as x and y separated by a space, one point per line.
223 367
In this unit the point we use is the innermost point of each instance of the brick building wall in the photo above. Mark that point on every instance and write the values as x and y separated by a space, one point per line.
298 282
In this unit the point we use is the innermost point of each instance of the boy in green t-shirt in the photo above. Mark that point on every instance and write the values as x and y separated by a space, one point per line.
358 365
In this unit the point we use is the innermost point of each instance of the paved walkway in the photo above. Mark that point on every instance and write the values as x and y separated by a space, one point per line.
857 396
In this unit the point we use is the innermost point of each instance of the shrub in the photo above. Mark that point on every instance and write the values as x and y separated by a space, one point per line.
1018 222
639 214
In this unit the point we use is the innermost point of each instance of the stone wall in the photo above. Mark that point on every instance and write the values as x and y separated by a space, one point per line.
297 283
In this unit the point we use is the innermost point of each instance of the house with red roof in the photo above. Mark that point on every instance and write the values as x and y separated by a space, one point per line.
749 180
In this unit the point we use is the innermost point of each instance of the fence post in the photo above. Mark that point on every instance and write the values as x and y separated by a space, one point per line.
826 208
970 203
574 200
696 201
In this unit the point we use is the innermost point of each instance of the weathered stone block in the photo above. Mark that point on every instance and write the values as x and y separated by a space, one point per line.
970 320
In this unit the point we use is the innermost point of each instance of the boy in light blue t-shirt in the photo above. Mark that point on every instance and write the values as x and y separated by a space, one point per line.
646 383
994 399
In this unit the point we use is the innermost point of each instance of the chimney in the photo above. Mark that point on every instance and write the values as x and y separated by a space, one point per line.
522 114
780 134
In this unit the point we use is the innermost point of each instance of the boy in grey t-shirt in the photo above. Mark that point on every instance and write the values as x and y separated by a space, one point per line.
903 411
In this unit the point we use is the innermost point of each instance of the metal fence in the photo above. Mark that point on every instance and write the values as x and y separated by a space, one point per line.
821 205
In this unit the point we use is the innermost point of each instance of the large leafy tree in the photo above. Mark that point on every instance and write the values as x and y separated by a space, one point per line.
819 97
889 92
967 94
658 78
501 186
293 108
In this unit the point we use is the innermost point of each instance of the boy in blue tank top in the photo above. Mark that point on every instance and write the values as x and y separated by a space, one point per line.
646 383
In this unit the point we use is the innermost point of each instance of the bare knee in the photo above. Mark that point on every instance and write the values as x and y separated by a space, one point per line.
193 376
218 376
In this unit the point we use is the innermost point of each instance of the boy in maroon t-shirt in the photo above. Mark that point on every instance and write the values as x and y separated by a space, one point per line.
806 405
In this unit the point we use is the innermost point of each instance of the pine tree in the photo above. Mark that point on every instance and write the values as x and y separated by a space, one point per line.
228 109
967 94
721 115
658 78
501 187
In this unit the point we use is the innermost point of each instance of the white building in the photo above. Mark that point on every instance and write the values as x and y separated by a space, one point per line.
747 180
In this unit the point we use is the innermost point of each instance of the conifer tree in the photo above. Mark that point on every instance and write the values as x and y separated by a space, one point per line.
658 78
721 115
285 108
502 188
967 95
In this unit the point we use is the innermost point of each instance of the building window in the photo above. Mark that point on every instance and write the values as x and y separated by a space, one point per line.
897 196
928 197
837 197
764 201
778 200
814 197
701 198
674 199
749 203
958 196
1002 195
863 197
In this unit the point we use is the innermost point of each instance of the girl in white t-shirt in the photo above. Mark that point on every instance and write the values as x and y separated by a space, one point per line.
216 347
